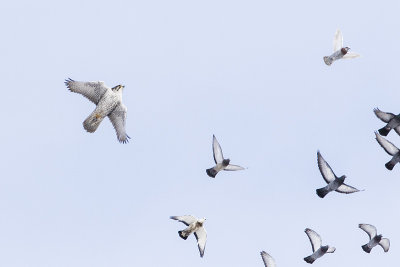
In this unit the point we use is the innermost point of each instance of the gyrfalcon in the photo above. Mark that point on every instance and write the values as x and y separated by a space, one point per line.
374 239
338 50
108 102
317 248
195 226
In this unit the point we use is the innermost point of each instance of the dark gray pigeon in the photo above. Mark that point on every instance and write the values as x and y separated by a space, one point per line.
390 149
222 164
267 259
392 122
374 239
317 248
334 183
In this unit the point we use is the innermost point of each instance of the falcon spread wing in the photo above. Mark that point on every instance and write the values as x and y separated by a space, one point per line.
383 116
315 239
386 145
118 120
186 219
337 41
369 229
232 167
267 259
201 237
91 90
325 169
217 151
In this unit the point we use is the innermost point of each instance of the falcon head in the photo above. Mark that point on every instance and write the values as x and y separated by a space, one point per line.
118 87
344 50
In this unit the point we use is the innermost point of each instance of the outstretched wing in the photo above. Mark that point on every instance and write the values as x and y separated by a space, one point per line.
217 151
351 55
201 237
383 116
347 189
267 259
186 219
337 41
118 120
331 250
386 145
369 229
91 90
385 244
315 239
325 169
232 167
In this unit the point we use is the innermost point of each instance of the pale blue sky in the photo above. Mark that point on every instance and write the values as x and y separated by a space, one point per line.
250 72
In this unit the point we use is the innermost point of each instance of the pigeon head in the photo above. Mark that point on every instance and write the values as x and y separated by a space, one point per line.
201 221
378 238
324 249
342 177
225 162
344 50
118 87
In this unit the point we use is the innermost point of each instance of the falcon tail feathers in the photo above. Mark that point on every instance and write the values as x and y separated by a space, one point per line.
384 131
211 172
328 61
389 165
322 192
366 248
309 259
182 235
92 122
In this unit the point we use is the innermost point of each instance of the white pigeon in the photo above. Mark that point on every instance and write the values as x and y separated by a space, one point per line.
338 50
221 163
334 183
267 259
195 226
374 239
392 122
390 149
317 248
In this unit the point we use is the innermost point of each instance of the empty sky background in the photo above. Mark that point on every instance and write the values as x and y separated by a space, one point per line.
250 72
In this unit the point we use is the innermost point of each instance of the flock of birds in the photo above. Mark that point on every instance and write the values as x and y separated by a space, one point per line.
109 104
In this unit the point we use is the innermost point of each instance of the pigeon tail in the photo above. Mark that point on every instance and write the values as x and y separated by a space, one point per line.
390 165
309 259
211 172
92 122
328 61
384 131
322 192
182 235
366 248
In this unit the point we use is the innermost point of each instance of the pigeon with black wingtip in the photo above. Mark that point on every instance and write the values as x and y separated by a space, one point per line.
392 122
374 238
391 149
317 248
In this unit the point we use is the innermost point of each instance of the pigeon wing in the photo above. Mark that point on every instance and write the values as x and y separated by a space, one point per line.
91 90
337 41
346 189
315 239
232 167
369 229
325 169
397 130
331 250
386 145
217 151
118 120
267 259
186 219
385 244
201 237
383 116
350 55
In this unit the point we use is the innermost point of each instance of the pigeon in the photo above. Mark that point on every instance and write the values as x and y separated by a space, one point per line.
195 226
334 183
390 149
267 259
222 164
338 50
318 249
393 122
374 239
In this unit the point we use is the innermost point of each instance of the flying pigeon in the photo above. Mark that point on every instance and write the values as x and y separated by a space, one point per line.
222 164
318 249
338 50
393 122
267 259
390 149
374 238
334 183
195 226
108 102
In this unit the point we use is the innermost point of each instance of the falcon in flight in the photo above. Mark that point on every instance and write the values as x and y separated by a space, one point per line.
221 163
317 248
195 226
338 50
108 102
